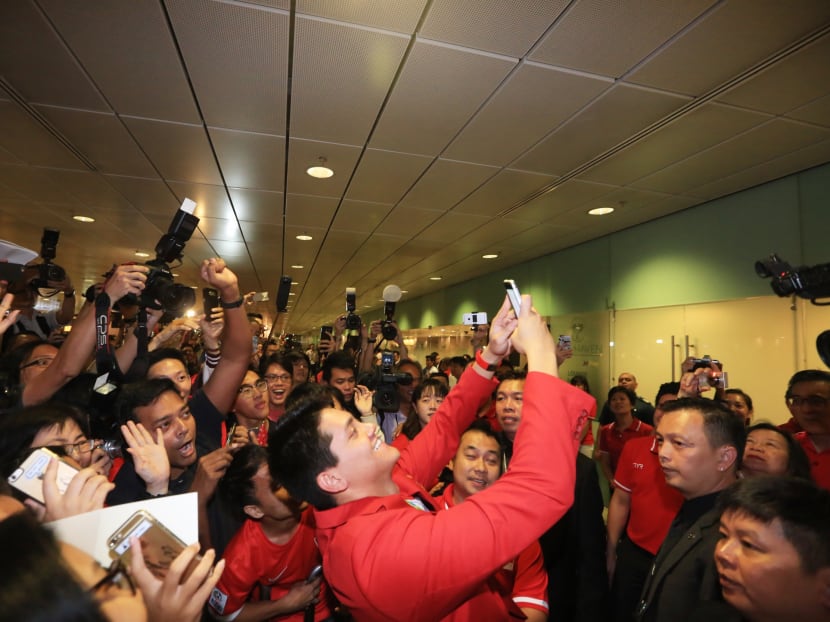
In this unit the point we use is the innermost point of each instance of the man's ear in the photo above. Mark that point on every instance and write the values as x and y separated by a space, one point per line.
253 511
727 457
331 481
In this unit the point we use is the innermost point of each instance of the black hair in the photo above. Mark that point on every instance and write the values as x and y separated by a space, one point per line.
38 586
807 375
312 390
802 508
15 358
667 388
798 464
579 379
276 359
162 354
295 356
720 425
237 485
412 362
632 397
744 395
483 426
298 452
18 430
413 425
139 394
340 360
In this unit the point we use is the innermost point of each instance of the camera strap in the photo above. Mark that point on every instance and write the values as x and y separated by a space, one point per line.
103 354
141 363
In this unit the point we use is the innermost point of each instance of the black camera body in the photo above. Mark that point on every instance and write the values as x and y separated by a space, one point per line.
172 297
385 384
810 282
48 271
353 321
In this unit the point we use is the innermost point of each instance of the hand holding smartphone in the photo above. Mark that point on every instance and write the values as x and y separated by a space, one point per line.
210 297
28 477
514 295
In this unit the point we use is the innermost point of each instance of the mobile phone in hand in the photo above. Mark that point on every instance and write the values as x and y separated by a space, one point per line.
514 295
210 297
28 477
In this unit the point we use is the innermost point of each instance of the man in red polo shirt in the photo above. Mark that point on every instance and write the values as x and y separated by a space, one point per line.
639 514
808 398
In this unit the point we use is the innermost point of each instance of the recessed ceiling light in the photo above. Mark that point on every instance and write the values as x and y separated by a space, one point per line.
174 275
141 254
404 291
296 283
83 218
490 256
291 294
435 278
304 237
600 211
297 266
320 170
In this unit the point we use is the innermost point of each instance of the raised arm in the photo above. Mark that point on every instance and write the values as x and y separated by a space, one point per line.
222 387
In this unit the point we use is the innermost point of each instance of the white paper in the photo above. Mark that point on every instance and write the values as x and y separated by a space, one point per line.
90 531
16 254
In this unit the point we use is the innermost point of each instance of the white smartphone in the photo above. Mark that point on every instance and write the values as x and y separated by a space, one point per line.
28 477
514 295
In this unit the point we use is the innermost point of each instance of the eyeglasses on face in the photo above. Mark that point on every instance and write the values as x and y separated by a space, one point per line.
277 377
74 450
813 401
248 390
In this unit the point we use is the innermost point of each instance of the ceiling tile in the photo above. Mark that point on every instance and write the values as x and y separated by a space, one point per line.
250 160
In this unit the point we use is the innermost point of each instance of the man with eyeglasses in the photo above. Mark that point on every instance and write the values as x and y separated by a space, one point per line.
251 407
277 372
808 398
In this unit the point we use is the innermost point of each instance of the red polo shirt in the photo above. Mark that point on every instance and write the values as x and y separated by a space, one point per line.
819 460
612 440
654 503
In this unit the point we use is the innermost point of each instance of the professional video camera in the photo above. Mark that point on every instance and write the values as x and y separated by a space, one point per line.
48 271
353 321
810 282
174 298
391 295
384 383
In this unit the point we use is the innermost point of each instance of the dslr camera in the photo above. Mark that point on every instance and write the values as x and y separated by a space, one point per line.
353 321
810 282
48 271
172 297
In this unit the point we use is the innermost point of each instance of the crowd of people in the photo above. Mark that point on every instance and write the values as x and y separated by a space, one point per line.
349 481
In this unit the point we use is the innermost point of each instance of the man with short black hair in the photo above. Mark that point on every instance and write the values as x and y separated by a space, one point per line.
700 446
387 555
773 557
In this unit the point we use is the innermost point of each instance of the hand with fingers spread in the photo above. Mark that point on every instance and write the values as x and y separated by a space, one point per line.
149 456
86 492
174 599
363 399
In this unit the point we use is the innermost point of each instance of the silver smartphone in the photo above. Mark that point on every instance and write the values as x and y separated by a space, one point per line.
514 295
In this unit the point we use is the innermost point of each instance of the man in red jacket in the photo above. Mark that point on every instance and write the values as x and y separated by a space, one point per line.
386 553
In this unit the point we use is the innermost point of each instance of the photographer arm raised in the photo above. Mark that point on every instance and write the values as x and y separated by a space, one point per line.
222 387
74 355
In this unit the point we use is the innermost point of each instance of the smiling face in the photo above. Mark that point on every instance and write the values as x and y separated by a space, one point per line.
477 464
171 414
809 403
766 453
761 574
509 398
364 460
174 370
279 384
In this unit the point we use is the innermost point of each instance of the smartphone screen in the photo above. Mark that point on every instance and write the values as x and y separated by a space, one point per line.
514 295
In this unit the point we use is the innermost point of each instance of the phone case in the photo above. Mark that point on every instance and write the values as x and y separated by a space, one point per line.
159 545
28 477
513 294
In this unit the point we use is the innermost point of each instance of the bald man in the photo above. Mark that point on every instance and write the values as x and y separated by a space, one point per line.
643 410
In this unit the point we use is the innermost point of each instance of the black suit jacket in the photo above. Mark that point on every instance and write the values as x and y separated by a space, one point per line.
684 580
